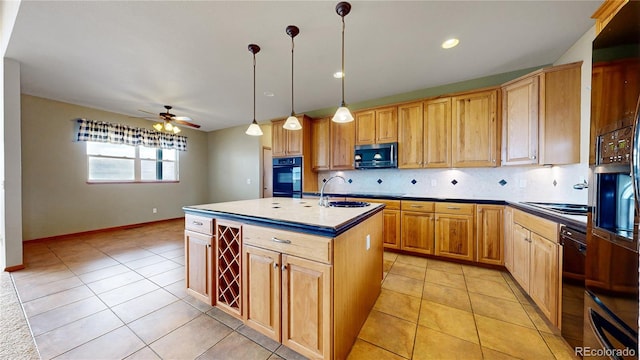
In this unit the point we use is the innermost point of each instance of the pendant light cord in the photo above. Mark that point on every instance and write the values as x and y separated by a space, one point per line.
254 87
343 104
292 45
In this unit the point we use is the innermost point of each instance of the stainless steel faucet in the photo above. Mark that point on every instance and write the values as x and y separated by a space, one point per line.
325 201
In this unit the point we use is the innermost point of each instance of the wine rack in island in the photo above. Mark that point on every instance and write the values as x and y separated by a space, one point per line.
228 266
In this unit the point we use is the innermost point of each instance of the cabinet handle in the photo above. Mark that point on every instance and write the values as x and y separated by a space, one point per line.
275 265
453 208
282 241
283 267
417 206
533 157
197 223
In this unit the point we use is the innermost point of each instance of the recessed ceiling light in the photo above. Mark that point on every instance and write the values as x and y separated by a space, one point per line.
448 44
268 93
338 74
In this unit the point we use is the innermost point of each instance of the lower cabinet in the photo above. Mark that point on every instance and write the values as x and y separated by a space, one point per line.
418 227
536 255
508 238
199 262
490 234
272 281
391 221
454 236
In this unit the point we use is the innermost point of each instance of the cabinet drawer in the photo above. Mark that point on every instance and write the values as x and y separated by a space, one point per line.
199 224
546 228
418 206
389 204
306 246
455 208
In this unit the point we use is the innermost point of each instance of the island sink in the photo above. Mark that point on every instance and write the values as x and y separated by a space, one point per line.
348 203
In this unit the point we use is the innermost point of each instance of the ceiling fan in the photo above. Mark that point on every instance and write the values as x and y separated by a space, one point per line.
168 118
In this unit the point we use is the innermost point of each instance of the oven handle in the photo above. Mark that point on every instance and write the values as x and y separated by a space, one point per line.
599 325
610 313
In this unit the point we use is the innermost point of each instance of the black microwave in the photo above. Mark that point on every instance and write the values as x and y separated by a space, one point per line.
376 156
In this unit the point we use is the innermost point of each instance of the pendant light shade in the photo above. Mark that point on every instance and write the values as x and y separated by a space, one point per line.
254 128
292 122
343 114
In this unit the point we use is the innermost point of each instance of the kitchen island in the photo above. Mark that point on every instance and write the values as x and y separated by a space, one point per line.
304 275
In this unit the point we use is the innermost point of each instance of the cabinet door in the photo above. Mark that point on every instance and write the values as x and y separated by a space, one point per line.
261 290
391 229
490 234
474 126
508 238
365 127
306 321
410 135
417 232
543 286
560 115
343 137
278 138
199 265
387 125
295 139
521 252
320 144
520 122
454 236
437 133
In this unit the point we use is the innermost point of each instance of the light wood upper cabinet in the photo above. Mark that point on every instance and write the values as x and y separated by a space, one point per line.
377 126
541 117
474 128
365 127
410 135
291 142
490 234
520 121
437 133
343 137
321 144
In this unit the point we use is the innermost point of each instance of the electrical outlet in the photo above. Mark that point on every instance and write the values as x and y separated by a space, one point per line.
248 181
368 241
155 210
523 183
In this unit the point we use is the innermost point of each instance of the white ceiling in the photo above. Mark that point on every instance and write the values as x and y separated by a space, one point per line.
122 56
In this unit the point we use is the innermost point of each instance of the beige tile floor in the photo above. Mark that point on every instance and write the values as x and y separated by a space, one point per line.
120 295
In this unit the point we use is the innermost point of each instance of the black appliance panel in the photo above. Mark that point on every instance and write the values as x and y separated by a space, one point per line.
287 177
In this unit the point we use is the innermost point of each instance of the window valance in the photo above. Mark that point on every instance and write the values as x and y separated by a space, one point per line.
91 130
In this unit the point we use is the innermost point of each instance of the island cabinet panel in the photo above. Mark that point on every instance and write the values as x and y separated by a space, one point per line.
306 307
343 138
474 129
410 135
261 290
454 236
312 247
490 234
199 254
320 144
229 266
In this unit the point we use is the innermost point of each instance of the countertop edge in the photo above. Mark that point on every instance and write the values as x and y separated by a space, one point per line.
573 223
324 231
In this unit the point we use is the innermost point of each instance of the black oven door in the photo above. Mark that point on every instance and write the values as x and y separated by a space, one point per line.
611 300
287 177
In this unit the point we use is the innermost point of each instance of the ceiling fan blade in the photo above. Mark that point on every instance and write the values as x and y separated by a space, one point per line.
183 118
187 123
144 111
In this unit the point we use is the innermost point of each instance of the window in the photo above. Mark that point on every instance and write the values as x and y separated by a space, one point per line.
125 163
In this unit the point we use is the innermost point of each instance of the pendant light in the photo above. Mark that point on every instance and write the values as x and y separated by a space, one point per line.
292 122
254 128
343 114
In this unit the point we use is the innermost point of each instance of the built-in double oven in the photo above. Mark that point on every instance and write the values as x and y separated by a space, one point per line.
611 266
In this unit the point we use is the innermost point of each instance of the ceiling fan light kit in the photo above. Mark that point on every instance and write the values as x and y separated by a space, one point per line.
343 114
292 122
167 117
254 128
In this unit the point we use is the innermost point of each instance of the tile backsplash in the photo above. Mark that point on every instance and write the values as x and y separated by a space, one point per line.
530 183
